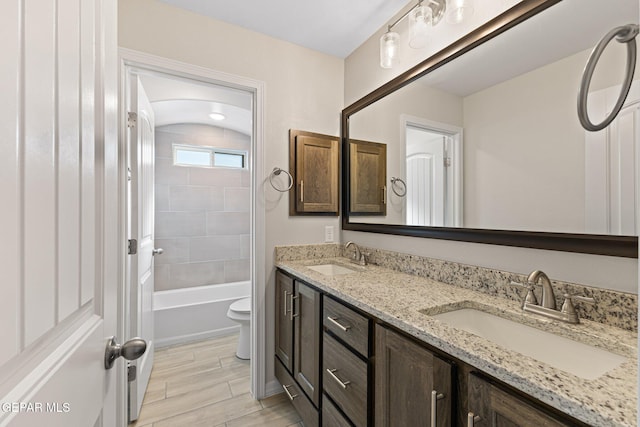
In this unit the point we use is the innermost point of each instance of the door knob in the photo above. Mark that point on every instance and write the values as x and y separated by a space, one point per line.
158 251
131 350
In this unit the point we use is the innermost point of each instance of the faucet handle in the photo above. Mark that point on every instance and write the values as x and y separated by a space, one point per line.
569 309
531 297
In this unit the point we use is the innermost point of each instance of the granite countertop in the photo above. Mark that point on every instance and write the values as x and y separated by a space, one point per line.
405 301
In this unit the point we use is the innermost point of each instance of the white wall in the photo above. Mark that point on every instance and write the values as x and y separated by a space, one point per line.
362 75
304 90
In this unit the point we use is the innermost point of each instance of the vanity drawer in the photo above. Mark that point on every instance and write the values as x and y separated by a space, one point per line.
349 326
309 414
331 416
344 379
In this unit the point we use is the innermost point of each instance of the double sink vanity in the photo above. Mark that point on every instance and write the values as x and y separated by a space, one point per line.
370 345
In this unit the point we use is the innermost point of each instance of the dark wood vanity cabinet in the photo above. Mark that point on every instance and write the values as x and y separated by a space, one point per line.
297 345
314 161
339 370
410 382
491 406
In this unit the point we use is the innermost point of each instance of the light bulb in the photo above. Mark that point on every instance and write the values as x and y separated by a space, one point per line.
217 116
419 22
459 10
388 48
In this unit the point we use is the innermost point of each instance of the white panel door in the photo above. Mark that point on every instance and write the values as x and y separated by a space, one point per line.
141 187
58 180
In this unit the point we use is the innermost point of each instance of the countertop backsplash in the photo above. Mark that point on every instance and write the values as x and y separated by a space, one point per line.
613 308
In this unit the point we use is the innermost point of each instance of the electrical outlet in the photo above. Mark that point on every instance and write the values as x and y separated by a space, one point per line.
328 233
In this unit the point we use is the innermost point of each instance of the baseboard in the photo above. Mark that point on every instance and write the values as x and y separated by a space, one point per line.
184 339
272 387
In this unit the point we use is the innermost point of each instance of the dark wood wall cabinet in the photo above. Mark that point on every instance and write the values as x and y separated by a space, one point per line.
368 177
342 367
314 164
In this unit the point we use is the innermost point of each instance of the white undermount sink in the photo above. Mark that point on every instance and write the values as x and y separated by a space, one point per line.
571 356
331 269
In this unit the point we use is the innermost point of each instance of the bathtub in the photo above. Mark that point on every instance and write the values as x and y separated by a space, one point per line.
191 314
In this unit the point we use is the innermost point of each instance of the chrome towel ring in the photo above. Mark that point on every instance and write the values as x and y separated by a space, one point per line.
277 171
625 34
394 186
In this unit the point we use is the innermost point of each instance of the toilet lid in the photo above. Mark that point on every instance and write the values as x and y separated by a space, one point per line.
241 306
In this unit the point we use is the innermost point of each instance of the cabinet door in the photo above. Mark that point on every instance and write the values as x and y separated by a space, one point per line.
368 176
493 407
406 375
315 166
306 362
284 320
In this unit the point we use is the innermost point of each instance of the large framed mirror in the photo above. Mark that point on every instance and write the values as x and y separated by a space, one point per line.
484 142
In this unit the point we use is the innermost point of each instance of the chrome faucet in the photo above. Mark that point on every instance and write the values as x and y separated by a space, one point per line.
548 307
358 257
548 297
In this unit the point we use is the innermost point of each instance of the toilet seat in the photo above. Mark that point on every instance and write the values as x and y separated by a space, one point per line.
241 306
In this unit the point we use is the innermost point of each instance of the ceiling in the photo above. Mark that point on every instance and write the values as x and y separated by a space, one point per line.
175 101
335 27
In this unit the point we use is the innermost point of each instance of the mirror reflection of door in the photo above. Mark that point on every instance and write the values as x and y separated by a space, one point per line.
426 180
431 166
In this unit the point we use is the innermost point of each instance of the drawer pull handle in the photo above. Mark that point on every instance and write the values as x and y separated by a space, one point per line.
343 384
286 390
472 419
435 396
334 320
285 303
291 313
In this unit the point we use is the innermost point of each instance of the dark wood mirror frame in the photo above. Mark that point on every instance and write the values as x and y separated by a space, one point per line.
620 246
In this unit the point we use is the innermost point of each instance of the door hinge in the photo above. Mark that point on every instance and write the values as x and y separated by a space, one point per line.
132 372
132 119
128 174
447 162
133 247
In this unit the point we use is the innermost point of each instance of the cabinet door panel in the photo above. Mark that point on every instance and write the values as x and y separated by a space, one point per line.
497 408
405 376
314 162
284 321
306 363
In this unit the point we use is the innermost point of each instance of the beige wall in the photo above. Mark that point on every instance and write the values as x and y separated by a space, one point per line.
304 90
362 75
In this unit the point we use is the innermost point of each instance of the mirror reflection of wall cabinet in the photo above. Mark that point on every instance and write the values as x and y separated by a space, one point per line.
314 163
368 164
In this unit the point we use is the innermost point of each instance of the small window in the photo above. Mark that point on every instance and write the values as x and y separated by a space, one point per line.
229 160
191 156
186 155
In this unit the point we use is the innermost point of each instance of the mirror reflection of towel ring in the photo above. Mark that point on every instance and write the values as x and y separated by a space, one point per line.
276 171
394 187
625 34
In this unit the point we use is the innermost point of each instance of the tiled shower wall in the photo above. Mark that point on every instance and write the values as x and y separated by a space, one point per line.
202 214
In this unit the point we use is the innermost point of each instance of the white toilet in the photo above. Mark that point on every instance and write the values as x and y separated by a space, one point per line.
240 311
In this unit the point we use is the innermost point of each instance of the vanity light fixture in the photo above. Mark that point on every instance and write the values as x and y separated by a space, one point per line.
425 14
217 116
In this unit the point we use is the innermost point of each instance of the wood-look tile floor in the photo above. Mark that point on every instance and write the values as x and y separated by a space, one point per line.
205 384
